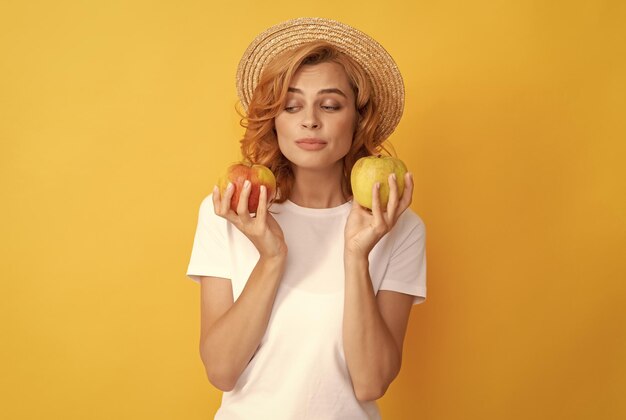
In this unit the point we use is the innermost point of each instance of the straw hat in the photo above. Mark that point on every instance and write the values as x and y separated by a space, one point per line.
375 60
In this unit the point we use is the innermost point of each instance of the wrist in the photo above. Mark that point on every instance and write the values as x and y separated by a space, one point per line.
355 258
278 258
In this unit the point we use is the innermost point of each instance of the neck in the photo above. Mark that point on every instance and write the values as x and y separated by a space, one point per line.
318 189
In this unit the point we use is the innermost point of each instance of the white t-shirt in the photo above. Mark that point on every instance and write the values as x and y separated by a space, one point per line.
299 371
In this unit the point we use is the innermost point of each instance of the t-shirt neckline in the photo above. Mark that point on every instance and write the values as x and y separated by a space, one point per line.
340 209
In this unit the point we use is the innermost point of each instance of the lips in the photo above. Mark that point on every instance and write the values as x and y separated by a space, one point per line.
311 143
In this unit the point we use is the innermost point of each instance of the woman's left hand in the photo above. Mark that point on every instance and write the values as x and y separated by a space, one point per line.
364 228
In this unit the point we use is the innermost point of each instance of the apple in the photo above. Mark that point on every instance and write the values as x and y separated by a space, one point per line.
258 175
371 169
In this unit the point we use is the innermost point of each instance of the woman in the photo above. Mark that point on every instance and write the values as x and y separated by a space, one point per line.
305 306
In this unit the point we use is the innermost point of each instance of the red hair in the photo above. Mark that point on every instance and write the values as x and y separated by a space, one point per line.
260 144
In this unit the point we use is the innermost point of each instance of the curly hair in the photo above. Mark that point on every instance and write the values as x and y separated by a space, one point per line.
260 143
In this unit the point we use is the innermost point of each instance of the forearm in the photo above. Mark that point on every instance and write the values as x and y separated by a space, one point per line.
230 343
371 353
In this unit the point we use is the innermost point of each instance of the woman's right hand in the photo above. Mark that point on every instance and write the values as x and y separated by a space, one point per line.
262 229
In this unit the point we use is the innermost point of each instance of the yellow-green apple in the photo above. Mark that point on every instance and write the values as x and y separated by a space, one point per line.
258 175
371 169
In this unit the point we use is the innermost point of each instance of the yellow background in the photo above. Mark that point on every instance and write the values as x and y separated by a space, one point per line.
116 118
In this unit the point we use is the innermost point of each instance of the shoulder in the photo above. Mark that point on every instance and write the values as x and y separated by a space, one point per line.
207 212
409 230
207 203
409 221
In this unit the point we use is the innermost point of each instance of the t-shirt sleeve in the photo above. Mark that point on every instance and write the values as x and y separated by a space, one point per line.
210 252
406 272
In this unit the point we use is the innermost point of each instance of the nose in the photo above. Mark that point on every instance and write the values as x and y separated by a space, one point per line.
310 119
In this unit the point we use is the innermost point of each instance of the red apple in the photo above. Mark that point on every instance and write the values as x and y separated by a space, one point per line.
258 175
371 169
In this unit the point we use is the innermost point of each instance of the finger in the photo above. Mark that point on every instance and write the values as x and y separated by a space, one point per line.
376 211
392 204
216 199
261 212
242 206
226 200
270 199
407 195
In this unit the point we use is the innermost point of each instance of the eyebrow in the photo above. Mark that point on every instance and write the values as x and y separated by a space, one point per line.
319 92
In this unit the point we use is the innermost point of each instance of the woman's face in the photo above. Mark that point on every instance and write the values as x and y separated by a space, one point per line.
316 126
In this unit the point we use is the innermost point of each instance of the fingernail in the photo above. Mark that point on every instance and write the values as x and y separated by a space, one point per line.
246 184
393 175
215 189
229 186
